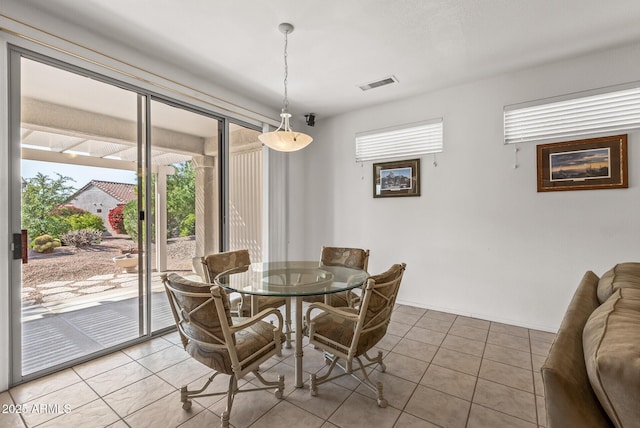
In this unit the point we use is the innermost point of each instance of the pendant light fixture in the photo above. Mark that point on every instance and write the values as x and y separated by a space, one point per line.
285 139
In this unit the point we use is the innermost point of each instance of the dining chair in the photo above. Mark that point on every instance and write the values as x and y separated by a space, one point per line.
214 264
203 317
349 333
241 304
342 256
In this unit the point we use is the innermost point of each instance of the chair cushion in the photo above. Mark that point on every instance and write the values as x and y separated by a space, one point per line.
349 257
207 315
248 341
219 262
382 300
611 340
264 302
341 330
337 300
622 275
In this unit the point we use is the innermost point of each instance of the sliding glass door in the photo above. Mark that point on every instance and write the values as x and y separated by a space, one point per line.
112 188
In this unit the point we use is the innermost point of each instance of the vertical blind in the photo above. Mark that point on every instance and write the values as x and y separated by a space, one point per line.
611 111
402 141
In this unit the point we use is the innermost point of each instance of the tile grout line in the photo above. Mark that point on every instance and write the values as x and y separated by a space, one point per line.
450 331
418 383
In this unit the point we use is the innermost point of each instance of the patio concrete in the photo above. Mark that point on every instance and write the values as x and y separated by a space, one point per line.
80 320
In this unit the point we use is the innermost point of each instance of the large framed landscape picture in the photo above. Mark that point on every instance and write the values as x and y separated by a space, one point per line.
399 178
594 163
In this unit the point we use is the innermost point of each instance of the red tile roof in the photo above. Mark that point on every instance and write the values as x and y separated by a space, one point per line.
123 192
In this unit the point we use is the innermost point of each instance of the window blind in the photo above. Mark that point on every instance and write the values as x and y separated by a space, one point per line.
611 111
403 141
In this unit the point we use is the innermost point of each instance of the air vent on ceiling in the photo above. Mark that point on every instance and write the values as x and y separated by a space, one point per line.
382 82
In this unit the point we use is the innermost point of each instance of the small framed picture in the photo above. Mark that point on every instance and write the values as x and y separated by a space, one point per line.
399 178
594 163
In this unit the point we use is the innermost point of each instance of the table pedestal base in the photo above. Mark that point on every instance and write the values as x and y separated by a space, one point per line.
299 382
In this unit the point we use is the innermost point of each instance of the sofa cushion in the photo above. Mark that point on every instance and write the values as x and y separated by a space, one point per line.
611 340
570 399
622 275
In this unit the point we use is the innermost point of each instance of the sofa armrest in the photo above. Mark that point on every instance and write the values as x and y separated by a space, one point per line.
570 400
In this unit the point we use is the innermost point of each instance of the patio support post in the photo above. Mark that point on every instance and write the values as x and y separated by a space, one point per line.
206 208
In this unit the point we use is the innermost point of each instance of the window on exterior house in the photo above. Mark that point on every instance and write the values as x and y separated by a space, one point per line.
595 112
410 140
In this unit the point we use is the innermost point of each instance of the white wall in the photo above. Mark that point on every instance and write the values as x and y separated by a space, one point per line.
480 240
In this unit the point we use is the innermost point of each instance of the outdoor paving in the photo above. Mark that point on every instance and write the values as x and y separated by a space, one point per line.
62 334
63 290
96 289
77 318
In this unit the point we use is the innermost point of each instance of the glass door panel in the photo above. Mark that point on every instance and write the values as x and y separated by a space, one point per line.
81 278
185 193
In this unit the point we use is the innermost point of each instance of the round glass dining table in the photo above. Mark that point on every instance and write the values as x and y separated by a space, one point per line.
294 279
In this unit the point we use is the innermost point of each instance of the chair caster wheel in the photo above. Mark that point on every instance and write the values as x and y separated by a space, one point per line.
313 393
186 405
382 403
278 393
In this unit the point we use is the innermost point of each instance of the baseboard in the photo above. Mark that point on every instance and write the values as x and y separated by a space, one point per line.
486 317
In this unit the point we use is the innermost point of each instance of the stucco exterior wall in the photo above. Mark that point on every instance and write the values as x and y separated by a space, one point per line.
97 202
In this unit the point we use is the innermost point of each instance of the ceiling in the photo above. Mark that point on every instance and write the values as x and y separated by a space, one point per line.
339 45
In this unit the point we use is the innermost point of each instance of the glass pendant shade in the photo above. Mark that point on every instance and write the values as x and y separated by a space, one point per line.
285 139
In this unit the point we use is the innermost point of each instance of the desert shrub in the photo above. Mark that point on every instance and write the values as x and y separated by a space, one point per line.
188 225
116 219
67 210
130 219
53 226
45 244
81 238
86 220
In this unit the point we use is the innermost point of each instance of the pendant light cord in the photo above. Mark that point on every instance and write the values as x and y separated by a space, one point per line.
286 73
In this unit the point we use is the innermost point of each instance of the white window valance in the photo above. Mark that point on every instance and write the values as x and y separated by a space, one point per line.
608 111
410 140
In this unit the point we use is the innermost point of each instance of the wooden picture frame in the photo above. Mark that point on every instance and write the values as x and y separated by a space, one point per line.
395 179
593 163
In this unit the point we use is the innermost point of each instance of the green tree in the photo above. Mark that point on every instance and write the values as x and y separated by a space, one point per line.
130 219
130 214
41 195
181 200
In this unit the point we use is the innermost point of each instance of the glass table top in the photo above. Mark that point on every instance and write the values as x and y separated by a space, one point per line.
306 278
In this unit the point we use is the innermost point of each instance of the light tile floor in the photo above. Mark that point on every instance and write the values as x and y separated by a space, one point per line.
443 370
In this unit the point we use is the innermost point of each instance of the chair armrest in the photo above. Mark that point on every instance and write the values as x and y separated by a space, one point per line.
332 310
257 317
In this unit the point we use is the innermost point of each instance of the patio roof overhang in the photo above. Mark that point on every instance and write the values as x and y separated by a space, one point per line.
56 133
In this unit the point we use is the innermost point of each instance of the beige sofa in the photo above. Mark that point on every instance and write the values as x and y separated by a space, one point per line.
592 374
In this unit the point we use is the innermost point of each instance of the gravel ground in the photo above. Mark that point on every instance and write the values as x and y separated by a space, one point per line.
73 264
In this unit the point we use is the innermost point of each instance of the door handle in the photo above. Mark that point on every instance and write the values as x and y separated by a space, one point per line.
16 246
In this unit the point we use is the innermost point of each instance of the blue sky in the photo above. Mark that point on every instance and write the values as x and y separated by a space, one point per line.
81 174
